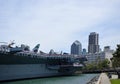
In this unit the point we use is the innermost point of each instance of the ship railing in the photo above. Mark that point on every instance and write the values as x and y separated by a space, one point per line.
47 56
72 65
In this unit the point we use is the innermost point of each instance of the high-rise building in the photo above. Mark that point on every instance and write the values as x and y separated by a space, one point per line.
106 48
76 48
93 45
84 51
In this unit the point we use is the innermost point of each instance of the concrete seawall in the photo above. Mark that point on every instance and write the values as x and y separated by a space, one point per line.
103 79
94 80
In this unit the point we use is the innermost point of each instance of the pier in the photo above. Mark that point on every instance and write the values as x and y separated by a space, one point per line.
101 71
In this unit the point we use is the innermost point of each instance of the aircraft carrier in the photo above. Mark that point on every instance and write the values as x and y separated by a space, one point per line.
21 63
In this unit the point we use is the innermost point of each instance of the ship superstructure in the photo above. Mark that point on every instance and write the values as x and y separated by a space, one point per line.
20 63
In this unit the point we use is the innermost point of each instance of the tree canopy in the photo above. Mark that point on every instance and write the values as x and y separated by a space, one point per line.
116 57
100 65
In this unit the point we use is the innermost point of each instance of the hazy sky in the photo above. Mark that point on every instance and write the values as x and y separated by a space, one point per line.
56 24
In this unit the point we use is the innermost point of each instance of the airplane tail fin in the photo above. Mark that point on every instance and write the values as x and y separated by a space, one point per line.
35 49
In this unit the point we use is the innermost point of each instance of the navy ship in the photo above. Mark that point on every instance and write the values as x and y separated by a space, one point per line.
21 63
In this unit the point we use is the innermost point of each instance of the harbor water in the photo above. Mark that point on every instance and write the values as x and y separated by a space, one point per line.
78 79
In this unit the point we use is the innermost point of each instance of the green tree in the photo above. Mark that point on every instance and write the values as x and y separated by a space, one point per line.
105 63
101 64
91 66
116 57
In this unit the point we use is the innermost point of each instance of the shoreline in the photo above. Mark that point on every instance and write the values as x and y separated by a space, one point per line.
94 80
100 79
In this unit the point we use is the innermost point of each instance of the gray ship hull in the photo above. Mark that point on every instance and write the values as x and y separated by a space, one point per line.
22 71
15 66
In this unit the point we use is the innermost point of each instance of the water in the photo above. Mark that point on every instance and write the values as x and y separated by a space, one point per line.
79 79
